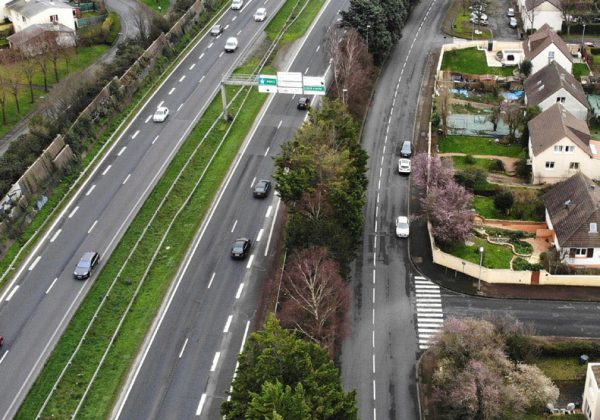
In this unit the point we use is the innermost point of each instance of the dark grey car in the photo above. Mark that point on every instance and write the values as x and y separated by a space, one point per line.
406 150
240 248
262 188
86 265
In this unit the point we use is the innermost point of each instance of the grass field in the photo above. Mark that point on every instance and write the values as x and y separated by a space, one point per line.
494 256
580 69
471 61
472 145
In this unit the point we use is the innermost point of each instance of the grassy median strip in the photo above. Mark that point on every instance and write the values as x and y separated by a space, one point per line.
122 282
299 27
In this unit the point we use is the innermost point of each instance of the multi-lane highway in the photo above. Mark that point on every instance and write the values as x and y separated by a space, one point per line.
188 363
38 304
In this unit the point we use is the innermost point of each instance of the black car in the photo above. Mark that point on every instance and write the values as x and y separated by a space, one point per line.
240 248
216 30
85 265
303 103
262 188
406 150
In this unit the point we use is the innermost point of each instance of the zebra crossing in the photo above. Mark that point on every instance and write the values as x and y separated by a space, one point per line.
430 316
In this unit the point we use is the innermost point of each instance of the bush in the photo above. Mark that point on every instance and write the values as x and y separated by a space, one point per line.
595 50
471 177
574 348
469 160
504 200
522 247
522 169
497 166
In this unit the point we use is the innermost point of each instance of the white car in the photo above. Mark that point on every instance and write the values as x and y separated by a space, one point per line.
402 227
161 114
510 12
231 44
404 166
237 4
260 15
481 16
512 22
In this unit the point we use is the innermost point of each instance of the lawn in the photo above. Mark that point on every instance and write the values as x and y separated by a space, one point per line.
562 368
460 164
580 69
472 145
471 61
529 210
494 256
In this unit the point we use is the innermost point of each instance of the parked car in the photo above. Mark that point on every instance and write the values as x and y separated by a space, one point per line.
402 227
404 166
303 103
231 44
481 16
86 265
475 21
261 188
406 150
216 30
512 22
260 15
161 114
240 248
510 12
237 4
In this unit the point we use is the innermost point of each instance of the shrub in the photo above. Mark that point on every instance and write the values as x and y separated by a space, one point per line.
504 200
471 177
469 160
497 166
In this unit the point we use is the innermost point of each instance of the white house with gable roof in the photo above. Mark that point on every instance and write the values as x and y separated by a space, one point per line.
24 13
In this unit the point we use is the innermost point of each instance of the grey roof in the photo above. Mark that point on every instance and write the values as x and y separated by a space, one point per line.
548 80
540 39
532 4
572 205
553 125
30 8
33 31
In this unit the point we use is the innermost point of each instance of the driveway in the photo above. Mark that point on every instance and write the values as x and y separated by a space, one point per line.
498 21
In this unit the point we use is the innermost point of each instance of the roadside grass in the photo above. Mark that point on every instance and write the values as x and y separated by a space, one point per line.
460 163
473 145
106 387
580 69
494 256
471 61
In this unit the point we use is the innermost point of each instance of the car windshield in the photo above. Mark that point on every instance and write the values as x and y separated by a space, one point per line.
238 246
402 225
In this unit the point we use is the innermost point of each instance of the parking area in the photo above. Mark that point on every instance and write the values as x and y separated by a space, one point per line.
498 21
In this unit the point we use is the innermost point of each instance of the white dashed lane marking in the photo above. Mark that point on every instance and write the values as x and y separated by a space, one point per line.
430 316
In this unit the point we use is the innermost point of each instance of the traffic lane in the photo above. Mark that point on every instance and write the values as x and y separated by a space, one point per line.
568 319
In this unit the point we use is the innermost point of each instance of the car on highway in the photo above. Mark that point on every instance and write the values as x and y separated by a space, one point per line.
404 166
402 227
237 4
216 30
231 44
261 188
512 22
86 265
161 114
406 150
303 103
510 12
260 15
240 248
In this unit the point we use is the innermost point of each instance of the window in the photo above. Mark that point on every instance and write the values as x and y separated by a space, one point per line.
569 149
550 56
574 165
580 252
558 149
593 227
24 20
549 165
560 99
53 18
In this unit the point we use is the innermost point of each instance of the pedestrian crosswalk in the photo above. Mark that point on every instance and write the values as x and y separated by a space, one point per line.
430 315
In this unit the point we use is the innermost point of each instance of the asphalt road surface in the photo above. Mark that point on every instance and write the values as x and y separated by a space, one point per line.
37 306
208 318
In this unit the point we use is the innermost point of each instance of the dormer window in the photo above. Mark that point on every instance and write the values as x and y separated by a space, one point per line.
550 56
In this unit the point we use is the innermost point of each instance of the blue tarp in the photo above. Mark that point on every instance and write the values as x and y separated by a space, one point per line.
513 96
463 92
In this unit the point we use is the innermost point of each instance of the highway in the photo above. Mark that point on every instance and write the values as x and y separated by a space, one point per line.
38 304
213 301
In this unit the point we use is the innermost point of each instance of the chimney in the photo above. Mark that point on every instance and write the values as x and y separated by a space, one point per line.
568 204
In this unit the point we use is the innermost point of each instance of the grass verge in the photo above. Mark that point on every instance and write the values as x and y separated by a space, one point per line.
473 145
471 61
299 27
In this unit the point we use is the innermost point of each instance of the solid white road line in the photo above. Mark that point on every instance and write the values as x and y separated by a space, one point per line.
260 234
171 91
126 179
155 138
244 339
12 293
183 348
90 190
135 134
93 225
272 226
228 324
215 361
106 170
211 280
51 285
73 212
201 404
55 235
239 291
250 260
37 260
121 151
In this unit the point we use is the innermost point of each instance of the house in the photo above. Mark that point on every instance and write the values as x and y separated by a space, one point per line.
591 392
573 214
24 13
32 40
3 10
553 84
544 47
560 145
537 13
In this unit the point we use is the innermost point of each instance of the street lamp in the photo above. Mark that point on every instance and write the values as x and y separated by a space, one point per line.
480 264
583 34
368 27
344 91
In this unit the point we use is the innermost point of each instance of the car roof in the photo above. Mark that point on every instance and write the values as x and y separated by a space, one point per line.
402 219
232 39
88 255
261 10
404 160
161 108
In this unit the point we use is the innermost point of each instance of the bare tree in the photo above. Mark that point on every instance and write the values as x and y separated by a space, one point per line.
317 297
444 105
41 59
568 8
513 116
4 86
15 87
142 20
28 67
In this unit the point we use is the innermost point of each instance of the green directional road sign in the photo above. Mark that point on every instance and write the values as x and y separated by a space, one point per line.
315 88
267 83
313 85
